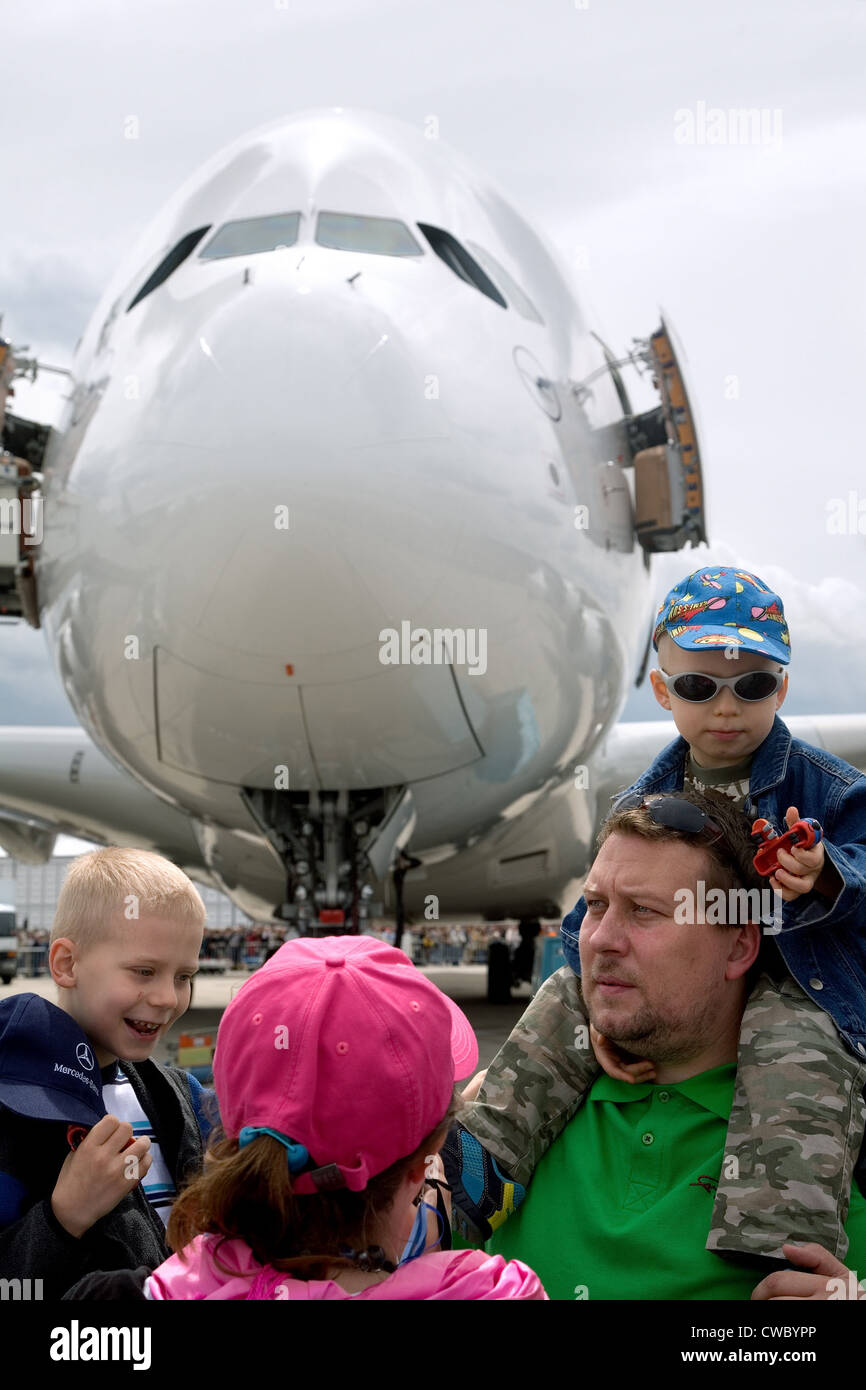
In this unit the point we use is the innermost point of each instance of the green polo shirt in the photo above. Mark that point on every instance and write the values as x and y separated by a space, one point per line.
620 1205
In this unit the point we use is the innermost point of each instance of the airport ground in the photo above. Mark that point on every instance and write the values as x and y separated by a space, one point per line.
466 984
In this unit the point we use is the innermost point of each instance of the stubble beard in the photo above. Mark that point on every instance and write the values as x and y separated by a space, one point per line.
674 1036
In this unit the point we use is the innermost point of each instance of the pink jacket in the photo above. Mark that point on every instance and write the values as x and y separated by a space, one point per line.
447 1274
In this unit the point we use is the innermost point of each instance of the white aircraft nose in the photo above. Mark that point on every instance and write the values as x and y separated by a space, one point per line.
307 517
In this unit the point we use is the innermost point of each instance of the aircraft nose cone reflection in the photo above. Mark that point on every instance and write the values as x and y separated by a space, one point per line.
321 542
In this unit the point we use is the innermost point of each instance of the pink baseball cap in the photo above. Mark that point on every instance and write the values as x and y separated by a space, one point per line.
341 1046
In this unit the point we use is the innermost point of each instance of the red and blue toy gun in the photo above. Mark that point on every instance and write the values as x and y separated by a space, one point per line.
805 833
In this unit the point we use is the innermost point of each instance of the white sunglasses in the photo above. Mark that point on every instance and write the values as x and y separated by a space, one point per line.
697 688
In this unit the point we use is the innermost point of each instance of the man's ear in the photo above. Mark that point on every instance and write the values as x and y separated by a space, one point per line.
62 957
744 949
660 690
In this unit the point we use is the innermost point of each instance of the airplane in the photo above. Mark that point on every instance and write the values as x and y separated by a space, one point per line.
345 543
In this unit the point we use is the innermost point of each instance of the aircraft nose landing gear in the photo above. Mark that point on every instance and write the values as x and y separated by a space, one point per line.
331 843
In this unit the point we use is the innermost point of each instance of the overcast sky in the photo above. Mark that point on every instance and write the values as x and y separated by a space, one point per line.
579 111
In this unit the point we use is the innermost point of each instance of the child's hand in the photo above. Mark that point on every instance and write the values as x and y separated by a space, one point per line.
611 1060
471 1089
98 1174
788 1284
799 868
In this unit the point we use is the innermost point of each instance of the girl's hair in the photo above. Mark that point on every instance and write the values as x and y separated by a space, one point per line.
247 1194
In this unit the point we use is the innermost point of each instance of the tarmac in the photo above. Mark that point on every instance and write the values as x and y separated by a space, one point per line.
466 984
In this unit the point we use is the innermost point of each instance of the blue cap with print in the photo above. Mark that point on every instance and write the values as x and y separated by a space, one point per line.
47 1067
725 608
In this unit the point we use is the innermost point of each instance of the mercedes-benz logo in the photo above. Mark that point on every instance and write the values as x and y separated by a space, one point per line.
85 1056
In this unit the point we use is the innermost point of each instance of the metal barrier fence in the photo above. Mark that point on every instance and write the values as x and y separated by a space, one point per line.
444 953
33 960
440 953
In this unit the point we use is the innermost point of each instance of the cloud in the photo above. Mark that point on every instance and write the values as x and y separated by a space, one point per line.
30 692
46 301
826 619
830 610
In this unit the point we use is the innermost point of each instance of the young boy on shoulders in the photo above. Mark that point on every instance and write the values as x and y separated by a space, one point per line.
723 646
79 1192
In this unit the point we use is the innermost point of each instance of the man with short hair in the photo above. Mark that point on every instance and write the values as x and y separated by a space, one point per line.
620 1205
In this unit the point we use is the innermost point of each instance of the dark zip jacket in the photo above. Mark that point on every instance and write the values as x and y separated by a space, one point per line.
33 1244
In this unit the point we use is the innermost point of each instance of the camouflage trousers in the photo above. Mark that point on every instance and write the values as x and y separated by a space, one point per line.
795 1128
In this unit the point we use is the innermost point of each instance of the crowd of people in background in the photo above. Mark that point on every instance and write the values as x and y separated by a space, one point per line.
249 946
448 943
425 943
32 952
244 947
444 943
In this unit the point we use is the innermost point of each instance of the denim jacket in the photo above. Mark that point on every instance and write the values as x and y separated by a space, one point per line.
823 943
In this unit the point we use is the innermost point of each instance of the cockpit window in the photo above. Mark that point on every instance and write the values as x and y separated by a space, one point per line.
516 297
458 259
169 264
250 236
375 236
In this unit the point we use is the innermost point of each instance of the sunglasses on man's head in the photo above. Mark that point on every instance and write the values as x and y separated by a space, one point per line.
695 687
674 812
664 808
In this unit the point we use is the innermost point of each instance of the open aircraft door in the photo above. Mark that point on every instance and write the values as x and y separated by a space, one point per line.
661 444
669 491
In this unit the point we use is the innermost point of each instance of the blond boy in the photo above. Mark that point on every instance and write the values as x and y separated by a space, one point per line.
124 949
